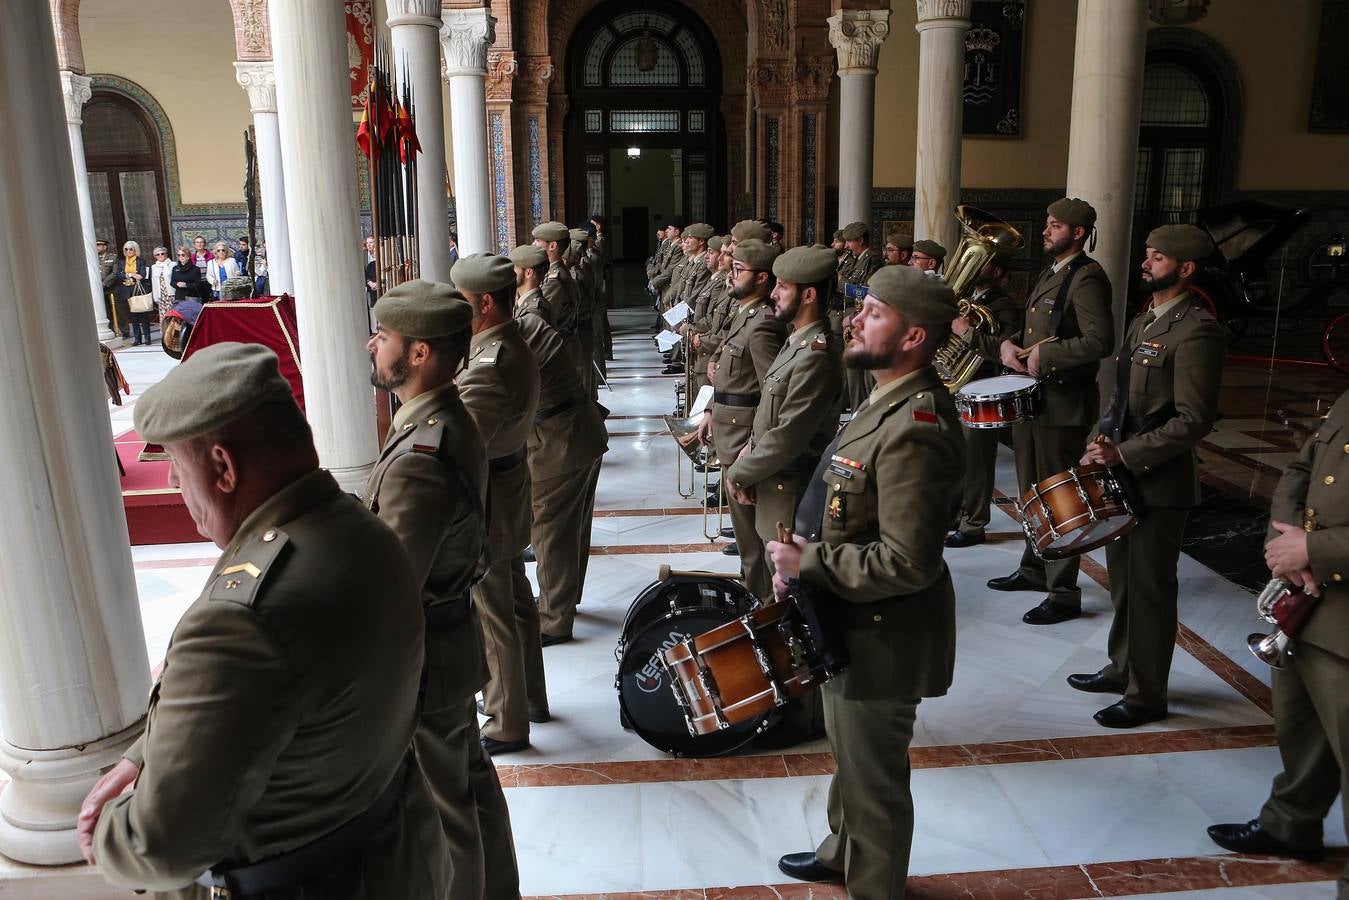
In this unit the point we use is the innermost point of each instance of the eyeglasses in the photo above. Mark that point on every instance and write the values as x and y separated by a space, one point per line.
128 249
160 253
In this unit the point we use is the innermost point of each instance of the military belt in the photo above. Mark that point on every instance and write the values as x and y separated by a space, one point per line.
549 411
735 399
452 612
507 462
315 859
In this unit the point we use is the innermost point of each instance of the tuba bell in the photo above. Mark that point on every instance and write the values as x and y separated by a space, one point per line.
983 237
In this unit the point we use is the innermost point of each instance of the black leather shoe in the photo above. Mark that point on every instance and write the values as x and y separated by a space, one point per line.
549 640
728 532
495 747
538 718
805 867
1050 613
1014 582
1249 837
1125 715
962 539
1096 683
672 369
730 550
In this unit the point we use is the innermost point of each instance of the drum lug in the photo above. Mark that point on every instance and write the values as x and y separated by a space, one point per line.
765 666
1082 495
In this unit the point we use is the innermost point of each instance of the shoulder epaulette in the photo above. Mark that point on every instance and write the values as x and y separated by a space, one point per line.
239 582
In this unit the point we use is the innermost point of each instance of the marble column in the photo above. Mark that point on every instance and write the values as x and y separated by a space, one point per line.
466 36
857 35
76 90
258 79
318 150
415 27
1103 135
73 669
941 76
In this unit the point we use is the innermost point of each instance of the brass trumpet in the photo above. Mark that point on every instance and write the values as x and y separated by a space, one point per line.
983 237
1286 606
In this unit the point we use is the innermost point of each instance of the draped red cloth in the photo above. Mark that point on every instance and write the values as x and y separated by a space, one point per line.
269 321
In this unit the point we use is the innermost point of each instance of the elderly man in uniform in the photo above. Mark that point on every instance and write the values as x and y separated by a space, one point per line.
1308 547
265 768
737 371
429 485
565 450
1069 328
868 548
500 386
898 248
981 444
927 256
1166 401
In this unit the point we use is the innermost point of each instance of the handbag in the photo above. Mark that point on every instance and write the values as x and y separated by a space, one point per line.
141 300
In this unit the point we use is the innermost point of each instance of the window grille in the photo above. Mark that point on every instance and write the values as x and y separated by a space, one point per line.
1173 96
638 121
623 68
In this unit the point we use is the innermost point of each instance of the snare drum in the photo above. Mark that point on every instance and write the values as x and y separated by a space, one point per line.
744 669
998 402
1075 511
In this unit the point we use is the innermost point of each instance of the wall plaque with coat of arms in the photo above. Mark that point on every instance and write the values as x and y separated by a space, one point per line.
993 52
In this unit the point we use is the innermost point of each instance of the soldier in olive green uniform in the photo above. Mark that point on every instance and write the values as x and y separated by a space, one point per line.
709 296
666 262
688 281
1069 328
753 339
565 449
801 399
1308 547
500 386
857 268
871 556
981 444
898 248
586 285
256 744
559 291
1165 402
927 256
430 485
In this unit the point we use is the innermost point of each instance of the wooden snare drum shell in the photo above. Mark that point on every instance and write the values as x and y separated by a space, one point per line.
700 708
1056 501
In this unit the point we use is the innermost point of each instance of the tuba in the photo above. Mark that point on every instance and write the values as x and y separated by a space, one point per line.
983 236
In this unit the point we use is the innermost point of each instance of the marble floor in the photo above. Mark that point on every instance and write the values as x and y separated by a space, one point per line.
1018 792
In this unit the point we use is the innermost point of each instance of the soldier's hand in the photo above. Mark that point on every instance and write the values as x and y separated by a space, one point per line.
1009 354
1303 578
779 587
704 431
113 783
960 325
697 340
1287 553
1033 362
711 372
787 557
744 496
1102 451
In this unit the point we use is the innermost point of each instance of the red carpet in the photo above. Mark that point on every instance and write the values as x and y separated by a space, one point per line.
155 513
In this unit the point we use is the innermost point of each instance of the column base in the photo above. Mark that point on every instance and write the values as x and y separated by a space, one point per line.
38 808
104 334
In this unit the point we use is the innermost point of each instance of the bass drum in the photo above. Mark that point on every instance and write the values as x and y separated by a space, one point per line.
664 614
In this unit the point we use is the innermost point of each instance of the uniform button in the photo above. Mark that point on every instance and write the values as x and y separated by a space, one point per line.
733 420
1346 448
779 487
1145 362
431 421
269 536
1337 577
1330 479
875 618
918 396
1030 331
838 487
1311 513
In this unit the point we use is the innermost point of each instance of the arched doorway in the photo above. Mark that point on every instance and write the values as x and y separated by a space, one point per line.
126 172
644 127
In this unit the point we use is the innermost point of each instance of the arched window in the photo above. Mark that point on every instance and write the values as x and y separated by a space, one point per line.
126 172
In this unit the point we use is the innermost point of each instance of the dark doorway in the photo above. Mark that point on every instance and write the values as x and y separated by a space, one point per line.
126 172
636 236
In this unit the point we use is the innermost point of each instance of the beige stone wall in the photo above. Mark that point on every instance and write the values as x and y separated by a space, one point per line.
182 53
1274 54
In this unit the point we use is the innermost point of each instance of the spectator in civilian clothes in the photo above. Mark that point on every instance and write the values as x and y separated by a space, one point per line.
220 269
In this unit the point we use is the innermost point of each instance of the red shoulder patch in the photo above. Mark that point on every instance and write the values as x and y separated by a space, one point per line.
425 448
925 415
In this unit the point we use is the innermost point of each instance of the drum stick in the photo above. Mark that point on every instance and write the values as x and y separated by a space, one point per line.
784 534
1022 354
666 573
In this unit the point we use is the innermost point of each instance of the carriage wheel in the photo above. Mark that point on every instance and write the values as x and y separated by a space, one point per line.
1335 342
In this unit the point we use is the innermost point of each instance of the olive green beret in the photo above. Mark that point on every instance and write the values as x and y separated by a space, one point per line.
552 231
528 256
236 287
483 273
901 239
1181 242
715 242
918 297
806 265
209 390
424 309
579 235
750 230
855 231
931 248
699 230
1073 212
838 235
756 254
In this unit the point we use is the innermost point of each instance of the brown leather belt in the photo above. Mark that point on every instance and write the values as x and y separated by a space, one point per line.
507 462
550 411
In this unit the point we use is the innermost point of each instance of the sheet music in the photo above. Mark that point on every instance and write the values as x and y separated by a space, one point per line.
676 314
702 401
666 340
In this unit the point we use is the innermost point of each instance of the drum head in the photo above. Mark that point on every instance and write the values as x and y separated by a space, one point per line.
1097 534
644 692
660 598
997 386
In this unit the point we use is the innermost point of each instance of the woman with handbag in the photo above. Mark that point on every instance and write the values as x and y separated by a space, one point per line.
221 269
131 293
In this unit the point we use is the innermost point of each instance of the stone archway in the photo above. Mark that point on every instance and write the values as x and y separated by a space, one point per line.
252 37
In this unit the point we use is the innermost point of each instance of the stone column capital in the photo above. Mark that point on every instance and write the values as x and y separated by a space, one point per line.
258 79
537 74
414 12
943 14
857 35
76 90
466 34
